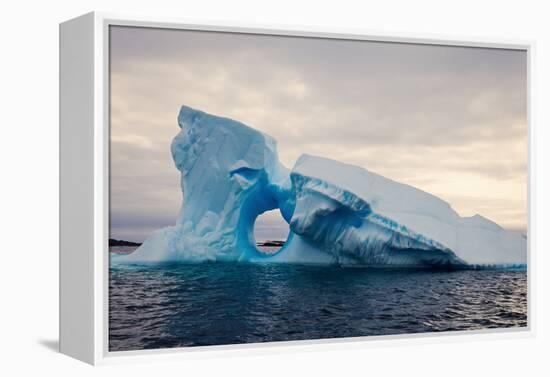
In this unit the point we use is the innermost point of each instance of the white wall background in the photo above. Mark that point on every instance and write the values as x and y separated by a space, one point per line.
29 148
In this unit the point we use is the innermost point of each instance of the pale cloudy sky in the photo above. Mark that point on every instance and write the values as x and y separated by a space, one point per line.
449 120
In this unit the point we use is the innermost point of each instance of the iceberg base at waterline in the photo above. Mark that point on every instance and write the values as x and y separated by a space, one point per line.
337 213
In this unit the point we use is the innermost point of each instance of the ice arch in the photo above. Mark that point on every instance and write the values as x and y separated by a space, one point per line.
261 196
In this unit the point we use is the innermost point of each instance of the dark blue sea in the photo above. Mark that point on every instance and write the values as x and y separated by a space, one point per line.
183 305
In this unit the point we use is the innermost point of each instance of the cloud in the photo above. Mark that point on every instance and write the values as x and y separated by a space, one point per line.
450 120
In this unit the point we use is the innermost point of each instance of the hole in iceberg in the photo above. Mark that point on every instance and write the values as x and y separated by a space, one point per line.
270 232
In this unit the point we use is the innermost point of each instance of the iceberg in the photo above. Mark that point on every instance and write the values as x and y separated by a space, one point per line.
337 213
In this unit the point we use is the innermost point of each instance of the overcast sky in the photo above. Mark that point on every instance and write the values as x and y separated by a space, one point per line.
449 120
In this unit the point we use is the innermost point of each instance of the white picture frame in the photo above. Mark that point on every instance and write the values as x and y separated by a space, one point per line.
84 187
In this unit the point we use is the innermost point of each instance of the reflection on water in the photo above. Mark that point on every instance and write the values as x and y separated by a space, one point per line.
175 305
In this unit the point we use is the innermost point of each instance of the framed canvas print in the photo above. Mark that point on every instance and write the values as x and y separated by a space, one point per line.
233 187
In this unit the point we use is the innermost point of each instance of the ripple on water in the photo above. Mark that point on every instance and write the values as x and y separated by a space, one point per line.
181 305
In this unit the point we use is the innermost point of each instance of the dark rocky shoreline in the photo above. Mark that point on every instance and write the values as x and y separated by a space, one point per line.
113 242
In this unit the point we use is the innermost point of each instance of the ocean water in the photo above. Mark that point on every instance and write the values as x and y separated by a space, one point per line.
181 305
